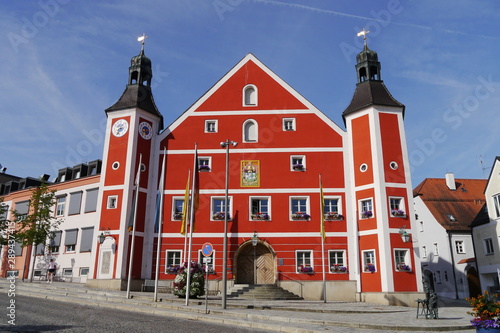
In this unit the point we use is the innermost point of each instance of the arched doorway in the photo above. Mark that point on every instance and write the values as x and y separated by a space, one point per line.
473 282
255 264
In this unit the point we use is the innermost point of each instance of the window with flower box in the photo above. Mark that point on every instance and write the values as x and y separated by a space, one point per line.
299 208
207 261
369 261
204 164
297 163
337 261
177 208
304 261
219 208
402 260
173 261
331 209
259 208
396 205
366 208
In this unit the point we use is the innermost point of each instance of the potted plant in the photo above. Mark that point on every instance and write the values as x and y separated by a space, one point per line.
330 216
203 167
300 216
172 269
403 267
220 216
178 216
197 281
298 167
398 212
260 216
486 312
370 268
306 269
366 214
336 268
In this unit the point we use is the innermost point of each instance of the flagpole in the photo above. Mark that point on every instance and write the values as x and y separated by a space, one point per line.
323 235
131 261
160 224
191 224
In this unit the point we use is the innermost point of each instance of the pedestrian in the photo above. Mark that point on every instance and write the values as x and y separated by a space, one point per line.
52 270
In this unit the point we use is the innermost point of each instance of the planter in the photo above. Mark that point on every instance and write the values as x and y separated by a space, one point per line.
298 167
260 216
220 216
398 213
366 215
301 216
333 217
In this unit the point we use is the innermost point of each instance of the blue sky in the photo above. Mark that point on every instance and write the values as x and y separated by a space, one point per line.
65 61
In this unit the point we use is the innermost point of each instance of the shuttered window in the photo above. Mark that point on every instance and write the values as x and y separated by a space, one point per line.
91 200
75 202
87 237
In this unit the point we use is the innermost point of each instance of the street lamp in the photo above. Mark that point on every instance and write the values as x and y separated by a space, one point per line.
103 235
255 241
226 144
404 235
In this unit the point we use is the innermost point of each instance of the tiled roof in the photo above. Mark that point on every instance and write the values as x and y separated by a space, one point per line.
463 204
371 92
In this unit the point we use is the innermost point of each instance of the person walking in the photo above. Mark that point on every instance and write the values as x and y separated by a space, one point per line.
52 270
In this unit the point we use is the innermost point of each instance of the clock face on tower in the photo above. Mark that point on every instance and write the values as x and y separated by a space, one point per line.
145 130
120 127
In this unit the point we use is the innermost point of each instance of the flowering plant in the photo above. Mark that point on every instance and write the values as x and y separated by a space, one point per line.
398 212
173 269
197 281
306 269
300 216
370 268
260 216
204 167
178 216
338 268
403 267
366 214
333 216
220 216
298 166
485 310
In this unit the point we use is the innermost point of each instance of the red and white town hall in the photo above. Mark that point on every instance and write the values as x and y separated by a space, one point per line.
255 140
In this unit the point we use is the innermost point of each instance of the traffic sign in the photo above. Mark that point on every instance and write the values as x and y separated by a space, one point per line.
207 249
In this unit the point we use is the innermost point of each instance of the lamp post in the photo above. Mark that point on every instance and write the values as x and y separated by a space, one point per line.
255 241
226 145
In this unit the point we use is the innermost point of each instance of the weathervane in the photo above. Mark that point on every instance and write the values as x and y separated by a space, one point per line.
142 39
363 33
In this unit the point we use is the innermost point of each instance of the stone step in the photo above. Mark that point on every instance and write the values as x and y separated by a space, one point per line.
265 292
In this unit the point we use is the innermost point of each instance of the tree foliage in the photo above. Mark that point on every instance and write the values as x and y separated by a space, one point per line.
39 223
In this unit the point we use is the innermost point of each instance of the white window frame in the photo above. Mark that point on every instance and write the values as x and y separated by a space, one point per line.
401 258
489 249
82 270
436 249
246 136
424 251
369 257
67 272
209 123
496 203
293 161
61 205
205 160
291 207
459 246
172 261
112 202
339 204
253 100
362 208
250 203
399 206
342 256
174 207
303 260
212 207
287 121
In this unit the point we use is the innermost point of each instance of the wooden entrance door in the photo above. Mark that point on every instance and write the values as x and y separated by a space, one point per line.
255 265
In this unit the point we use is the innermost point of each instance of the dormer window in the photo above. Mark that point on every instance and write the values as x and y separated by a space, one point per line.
451 217
250 95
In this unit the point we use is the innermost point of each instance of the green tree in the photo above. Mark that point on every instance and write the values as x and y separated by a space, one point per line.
39 224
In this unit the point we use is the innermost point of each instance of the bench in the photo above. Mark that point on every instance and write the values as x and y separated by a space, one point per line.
164 286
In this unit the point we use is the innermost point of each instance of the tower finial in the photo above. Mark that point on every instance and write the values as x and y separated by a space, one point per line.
142 39
363 33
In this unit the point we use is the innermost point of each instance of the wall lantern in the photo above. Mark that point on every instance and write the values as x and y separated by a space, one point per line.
404 235
255 238
102 236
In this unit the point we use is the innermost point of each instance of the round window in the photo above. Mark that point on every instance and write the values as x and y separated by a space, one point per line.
115 165
363 167
393 165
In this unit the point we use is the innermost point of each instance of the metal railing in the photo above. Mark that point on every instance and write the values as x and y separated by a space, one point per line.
291 279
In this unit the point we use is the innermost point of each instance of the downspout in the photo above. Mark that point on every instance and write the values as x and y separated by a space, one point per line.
453 264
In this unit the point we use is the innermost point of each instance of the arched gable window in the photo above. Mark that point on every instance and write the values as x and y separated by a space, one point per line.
250 131
250 95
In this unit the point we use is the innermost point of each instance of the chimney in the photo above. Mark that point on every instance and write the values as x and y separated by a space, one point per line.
450 181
